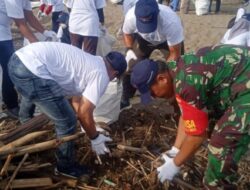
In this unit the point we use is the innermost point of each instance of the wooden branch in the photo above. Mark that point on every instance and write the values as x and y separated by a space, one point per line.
32 125
184 184
30 168
29 183
132 149
16 171
39 146
23 140
6 165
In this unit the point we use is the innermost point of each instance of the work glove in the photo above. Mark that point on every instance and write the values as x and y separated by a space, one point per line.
50 36
172 152
168 170
130 59
98 144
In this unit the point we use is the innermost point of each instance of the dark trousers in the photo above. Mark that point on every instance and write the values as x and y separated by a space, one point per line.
217 6
9 93
146 49
87 43
49 97
55 24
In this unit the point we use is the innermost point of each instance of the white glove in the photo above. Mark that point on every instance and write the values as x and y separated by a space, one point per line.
103 29
130 59
50 35
98 144
168 170
130 55
173 152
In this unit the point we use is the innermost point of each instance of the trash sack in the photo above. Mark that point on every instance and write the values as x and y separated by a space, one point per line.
39 36
105 43
201 7
108 107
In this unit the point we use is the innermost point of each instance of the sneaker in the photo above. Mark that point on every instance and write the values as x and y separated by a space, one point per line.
13 112
75 171
125 105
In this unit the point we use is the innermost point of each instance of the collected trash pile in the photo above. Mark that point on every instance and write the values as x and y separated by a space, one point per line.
139 137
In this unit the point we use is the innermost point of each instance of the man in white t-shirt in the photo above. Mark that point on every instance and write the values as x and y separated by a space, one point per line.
84 23
54 6
153 26
45 72
19 11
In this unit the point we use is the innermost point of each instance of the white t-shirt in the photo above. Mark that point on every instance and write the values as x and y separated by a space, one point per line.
77 72
68 3
57 4
11 9
239 34
169 27
84 19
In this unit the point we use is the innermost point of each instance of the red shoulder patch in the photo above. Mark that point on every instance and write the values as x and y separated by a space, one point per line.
196 121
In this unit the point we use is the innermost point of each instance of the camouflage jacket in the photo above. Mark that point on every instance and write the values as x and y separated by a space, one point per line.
213 79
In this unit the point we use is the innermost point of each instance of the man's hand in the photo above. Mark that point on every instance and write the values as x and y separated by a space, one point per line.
172 152
50 35
98 144
168 170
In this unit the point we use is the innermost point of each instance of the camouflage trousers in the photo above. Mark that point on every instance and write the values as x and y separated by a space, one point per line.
229 142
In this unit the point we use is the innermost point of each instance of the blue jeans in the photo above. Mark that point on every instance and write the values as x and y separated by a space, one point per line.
9 93
48 96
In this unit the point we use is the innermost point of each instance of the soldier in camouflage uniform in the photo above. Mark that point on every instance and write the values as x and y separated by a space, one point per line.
213 81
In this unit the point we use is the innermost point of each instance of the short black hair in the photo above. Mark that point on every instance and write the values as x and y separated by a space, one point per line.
162 67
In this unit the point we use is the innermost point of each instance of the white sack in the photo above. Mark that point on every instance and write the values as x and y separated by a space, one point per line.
105 43
108 107
201 7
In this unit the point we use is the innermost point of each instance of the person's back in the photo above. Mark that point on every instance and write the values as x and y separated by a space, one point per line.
215 79
69 66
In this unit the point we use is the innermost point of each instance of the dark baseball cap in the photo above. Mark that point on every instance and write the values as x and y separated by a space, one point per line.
143 76
117 62
146 13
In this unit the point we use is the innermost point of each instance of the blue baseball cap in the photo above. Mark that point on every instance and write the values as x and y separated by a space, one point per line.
146 13
143 76
117 62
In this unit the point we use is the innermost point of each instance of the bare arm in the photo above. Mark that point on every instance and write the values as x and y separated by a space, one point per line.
128 40
181 135
174 52
85 115
33 22
188 148
25 30
75 101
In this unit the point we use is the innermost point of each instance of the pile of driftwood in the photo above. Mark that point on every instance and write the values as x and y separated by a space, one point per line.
139 137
